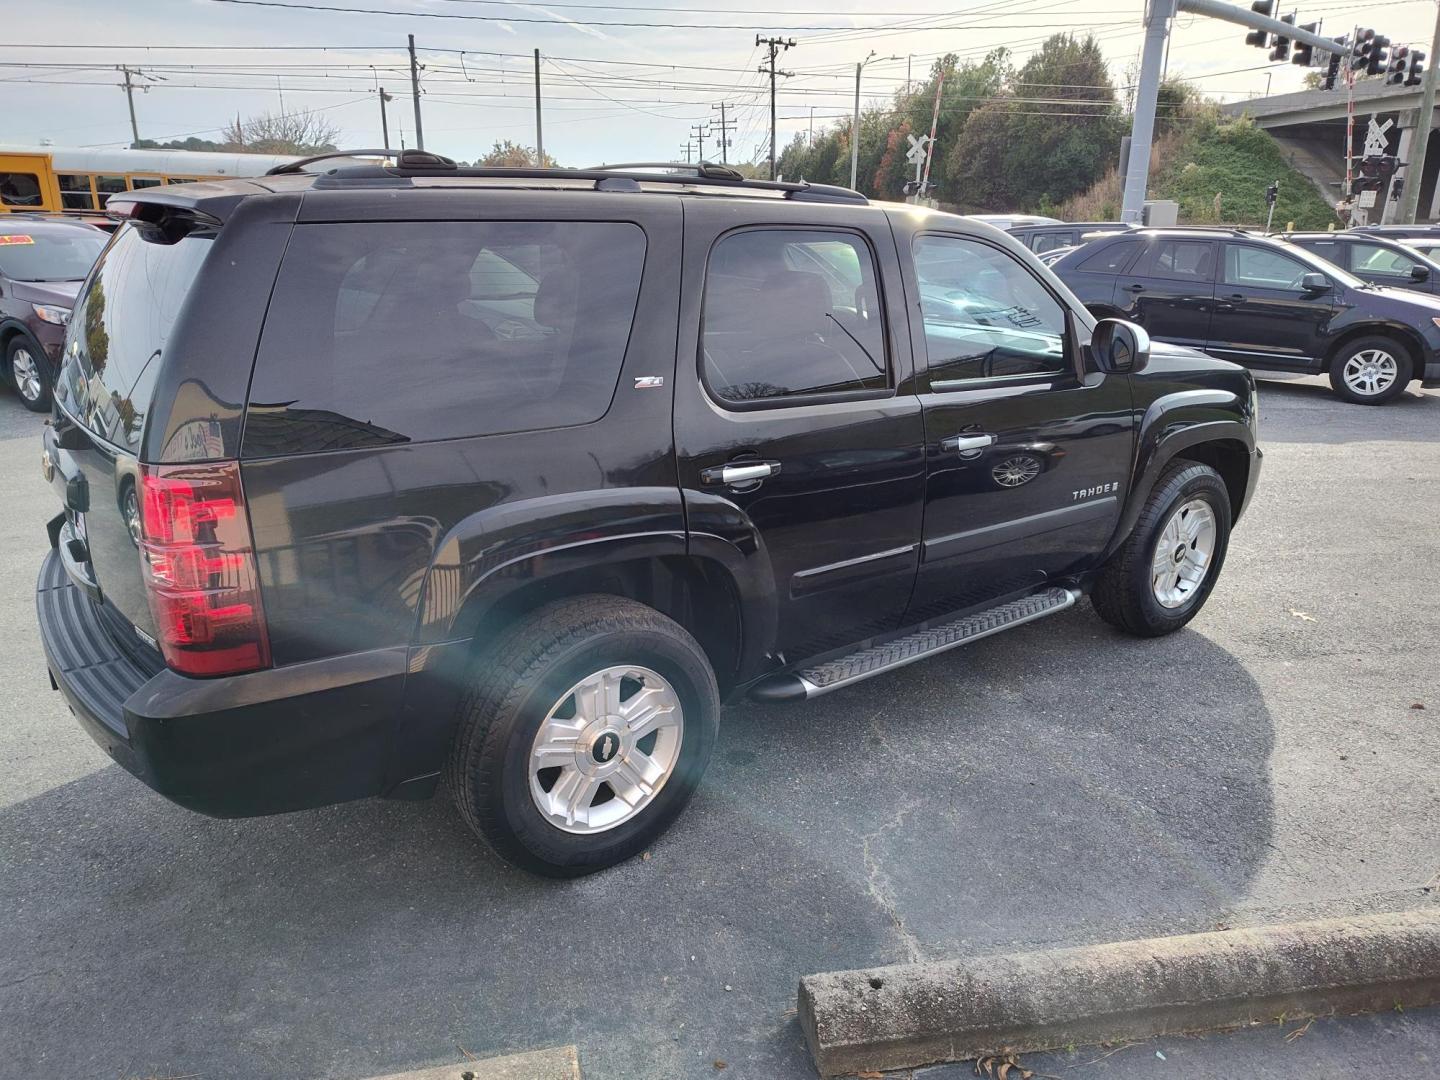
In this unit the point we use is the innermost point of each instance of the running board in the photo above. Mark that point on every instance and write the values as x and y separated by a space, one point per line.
822 678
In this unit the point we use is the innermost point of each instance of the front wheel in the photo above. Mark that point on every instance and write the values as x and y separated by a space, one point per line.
583 735
29 374
1160 578
1370 370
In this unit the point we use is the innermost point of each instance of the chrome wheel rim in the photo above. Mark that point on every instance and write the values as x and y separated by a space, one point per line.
26 373
1370 372
1183 553
605 750
1015 471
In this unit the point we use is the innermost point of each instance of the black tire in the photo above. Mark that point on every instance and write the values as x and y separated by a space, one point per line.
514 687
1404 363
1123 594
39 402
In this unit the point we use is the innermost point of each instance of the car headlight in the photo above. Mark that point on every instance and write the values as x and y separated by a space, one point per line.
52 313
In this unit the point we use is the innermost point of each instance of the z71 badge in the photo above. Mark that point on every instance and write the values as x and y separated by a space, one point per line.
1099 489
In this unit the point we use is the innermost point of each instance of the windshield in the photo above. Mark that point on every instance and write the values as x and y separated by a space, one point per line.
50 256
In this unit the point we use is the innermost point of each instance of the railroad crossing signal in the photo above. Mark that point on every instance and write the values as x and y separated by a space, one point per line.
919 147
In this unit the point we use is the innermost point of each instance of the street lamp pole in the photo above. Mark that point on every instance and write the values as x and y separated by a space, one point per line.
855 122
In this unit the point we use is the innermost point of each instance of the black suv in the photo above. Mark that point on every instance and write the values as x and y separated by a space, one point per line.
1043 238
507 479
1262 303
1373 258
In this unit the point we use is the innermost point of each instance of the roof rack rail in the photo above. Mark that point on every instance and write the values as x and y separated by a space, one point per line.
299 166
627 176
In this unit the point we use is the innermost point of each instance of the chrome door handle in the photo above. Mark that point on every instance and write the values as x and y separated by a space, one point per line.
963 443
741 473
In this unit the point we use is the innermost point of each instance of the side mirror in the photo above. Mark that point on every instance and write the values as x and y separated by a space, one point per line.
1120 347
1315 283
1419 273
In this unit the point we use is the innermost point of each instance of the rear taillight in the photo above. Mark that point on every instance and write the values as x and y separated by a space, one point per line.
199 566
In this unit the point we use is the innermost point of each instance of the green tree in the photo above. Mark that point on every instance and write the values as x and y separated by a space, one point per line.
1049 134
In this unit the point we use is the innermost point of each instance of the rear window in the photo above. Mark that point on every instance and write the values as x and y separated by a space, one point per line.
397 332
122 320
59 254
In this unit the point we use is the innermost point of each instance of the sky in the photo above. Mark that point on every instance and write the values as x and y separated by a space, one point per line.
626 81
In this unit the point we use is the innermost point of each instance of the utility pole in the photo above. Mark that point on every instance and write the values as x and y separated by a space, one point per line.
726 126
130 98
1415 170
384 121
698 130
775 47
539 130
415 92
689 146
855 124
1158 14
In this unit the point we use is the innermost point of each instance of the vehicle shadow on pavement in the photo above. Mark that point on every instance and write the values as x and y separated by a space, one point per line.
1059 783
1408 417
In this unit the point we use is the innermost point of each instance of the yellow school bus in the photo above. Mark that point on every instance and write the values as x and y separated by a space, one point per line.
78 181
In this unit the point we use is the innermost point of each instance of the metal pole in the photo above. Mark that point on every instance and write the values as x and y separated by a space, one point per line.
384 121
539 129
1415 171
855 128
1142 124
415 93
130 99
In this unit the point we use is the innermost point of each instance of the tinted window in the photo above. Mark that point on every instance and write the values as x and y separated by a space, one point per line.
986 316
791 312
19 189
1262 268
391 332
57 254
117 335
1182 260
1042 242
1381 261
1112 258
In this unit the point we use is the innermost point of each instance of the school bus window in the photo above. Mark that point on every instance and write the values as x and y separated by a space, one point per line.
20 189
75 191
109 185
180 179
138 182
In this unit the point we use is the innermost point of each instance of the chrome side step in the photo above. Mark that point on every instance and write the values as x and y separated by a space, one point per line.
822 678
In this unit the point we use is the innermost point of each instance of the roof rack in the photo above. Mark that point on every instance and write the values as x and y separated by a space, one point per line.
627 176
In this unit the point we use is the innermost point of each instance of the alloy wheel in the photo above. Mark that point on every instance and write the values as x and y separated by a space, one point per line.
25 372
1370 372
606 749
1183 553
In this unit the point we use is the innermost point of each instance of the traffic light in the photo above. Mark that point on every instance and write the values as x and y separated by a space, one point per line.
1259 38
1379 55
1415 73
1399 65
1304 54
1281 45
1332 70
1362 48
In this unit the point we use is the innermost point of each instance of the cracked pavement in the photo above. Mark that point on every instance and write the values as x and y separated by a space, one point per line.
1055 784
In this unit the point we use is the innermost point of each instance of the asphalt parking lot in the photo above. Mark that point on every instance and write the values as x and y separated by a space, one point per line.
1056 784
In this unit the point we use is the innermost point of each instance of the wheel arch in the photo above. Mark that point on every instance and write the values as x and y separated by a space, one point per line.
1405 335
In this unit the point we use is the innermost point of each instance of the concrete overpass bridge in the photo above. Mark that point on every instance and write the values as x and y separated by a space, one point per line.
1310 126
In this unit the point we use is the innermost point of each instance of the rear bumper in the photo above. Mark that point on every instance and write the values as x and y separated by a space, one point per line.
289 738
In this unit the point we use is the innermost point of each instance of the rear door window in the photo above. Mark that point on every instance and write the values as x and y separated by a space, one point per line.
117 335
1112 258
792 313
395 332
1179 260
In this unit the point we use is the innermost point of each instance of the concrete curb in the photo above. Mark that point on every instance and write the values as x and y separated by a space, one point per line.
561 1063
920 1014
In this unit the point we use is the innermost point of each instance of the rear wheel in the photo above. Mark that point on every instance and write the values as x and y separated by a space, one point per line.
1159 580
1370 370
29 374
584 735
